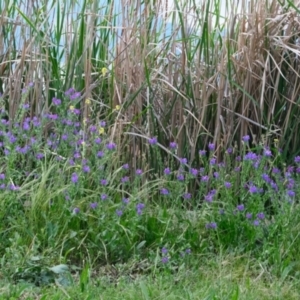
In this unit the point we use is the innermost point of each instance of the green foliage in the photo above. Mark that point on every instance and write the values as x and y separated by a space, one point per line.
157 161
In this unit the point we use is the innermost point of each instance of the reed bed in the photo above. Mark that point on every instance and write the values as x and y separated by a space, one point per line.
189 72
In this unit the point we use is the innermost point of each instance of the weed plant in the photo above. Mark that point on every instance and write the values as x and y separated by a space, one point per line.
68 198
171 150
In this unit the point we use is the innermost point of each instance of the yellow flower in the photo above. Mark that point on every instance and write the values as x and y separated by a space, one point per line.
104 71
84 121
87 101
71 108
117 107
101 130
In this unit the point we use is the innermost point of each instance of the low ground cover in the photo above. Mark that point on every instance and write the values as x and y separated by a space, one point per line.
70 204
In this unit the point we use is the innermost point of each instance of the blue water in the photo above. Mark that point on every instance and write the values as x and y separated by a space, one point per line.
75 13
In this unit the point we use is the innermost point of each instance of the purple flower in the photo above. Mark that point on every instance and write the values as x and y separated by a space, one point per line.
53 116
211 225
180 177
2 176
26 126
39 156
275 170
227 185
183 160
93 205
26 106
167 171
76 112
36 122
125 200
253 189
93 128
266 178
125 166
12 138
274 186
74 178
297 159
13 187
124 179
56 101
211 146
70 91
267 152
205 178
248 216
119 212
164 191
256 222
173 145
138 172
76 210
229 150
164 250
76 155
98 140
216 175
111 146
194 172
86 169
153 141
209 197
291 193
187 196
240 207
202 152
64 137
103 196
100 154
74 96
246 138
103 182
291 183
213 161
164 259
260 216
102 123
251 156
287 174
139 208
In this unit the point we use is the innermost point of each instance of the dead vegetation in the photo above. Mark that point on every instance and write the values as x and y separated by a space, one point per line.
189 72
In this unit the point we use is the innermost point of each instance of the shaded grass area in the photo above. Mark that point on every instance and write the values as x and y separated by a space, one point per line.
225 278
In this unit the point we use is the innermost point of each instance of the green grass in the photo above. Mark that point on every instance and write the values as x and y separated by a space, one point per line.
132 170
227 278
